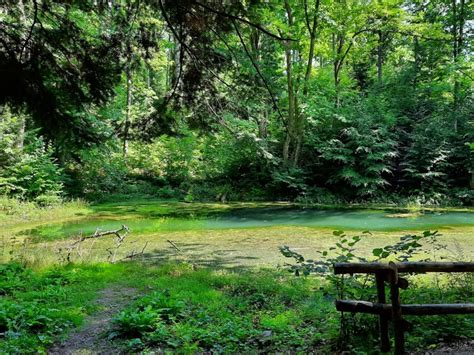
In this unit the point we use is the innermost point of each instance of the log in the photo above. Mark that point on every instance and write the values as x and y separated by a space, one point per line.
97 234
416 267
408 310
363 307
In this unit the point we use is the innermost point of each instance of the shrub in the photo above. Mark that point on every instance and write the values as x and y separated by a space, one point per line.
48 200
148 313
34 173
101 172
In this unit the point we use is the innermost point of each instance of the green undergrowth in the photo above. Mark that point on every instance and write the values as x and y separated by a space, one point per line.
202 311
38 307
190 311
187 310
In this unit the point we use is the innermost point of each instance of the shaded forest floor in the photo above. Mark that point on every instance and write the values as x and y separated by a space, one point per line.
91 338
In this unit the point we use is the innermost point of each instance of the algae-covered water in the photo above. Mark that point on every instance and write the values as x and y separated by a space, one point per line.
230 235
160 217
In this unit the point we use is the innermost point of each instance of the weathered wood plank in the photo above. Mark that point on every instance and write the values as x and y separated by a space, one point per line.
416 267
408 310
434 309
363 307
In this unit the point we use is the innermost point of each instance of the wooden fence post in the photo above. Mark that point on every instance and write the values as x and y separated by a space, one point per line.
380 278
396 310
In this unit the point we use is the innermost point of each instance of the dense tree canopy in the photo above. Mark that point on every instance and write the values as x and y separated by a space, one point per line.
311 99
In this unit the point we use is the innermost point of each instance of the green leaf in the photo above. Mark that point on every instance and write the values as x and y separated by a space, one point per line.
377 251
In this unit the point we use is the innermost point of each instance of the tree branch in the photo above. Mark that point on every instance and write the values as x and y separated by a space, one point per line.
275 105
186 47
240 19
30 33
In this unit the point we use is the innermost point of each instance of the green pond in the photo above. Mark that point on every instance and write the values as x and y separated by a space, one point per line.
154 217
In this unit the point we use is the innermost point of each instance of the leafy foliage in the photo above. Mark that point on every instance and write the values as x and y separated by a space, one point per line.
221 314
362 287
324 102
30 172
36 308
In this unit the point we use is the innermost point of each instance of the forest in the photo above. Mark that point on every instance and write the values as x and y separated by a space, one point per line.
218 141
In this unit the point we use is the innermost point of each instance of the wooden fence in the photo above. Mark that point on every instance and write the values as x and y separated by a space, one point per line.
395 310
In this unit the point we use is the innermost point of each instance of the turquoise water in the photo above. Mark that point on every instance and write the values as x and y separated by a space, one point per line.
149 219
341 219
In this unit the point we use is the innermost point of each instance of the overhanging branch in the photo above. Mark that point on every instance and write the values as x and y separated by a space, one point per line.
240 19
275 105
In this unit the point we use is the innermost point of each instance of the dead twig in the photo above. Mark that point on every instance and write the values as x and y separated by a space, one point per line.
76 245
134 255
173 245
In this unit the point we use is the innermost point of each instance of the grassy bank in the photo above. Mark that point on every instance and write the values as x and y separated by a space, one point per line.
14 212
181 308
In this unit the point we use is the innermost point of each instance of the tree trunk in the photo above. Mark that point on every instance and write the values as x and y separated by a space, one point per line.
312 42
337 81
416 64
457 31
454 31
289 140
126 130
291 107
338 61
20 141
295 126
380 59
22 119
263 126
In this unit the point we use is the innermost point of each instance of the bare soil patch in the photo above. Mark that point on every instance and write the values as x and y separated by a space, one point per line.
91 337
465 347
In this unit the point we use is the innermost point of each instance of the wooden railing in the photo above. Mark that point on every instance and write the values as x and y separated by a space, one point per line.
395 310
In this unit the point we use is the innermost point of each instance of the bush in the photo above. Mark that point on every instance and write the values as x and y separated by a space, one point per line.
316 195
34 173
464 197
12 206
168 192
48 200
101 172
148 313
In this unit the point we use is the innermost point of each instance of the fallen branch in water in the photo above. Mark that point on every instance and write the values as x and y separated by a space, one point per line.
133 255
173 245
76 245
98 234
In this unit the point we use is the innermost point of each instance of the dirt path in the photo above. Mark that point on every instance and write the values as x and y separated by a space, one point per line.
459 348
90 339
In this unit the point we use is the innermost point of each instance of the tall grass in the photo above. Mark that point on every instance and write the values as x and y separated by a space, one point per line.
14 211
